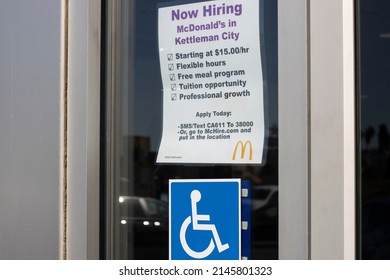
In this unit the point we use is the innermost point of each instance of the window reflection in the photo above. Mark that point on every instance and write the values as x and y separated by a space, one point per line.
375 121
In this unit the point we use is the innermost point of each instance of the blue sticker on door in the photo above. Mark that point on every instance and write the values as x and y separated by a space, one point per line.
205 219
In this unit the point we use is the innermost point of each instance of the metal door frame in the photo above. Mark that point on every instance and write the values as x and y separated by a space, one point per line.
316 129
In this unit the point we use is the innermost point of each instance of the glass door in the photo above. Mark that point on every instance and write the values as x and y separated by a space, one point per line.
134 182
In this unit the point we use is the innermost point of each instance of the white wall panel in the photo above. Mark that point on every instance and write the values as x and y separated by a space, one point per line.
29 128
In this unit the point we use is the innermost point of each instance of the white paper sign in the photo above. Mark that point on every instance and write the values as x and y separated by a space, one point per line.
212 78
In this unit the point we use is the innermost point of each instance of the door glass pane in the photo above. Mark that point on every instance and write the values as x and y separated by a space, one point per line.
135 187
374 128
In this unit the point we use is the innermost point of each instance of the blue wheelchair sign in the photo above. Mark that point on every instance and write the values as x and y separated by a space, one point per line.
205 219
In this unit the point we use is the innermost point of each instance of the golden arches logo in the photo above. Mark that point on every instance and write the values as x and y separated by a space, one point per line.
243 148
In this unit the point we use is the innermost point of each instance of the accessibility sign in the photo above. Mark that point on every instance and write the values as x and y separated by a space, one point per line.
205 219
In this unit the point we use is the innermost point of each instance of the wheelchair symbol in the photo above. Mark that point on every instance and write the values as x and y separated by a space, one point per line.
196 226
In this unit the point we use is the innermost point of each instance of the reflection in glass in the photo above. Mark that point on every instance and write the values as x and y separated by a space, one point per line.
374 127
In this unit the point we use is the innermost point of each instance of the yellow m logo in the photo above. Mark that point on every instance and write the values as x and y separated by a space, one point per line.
243 148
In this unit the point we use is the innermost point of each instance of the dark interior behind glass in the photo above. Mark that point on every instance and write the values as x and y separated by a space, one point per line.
374 151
